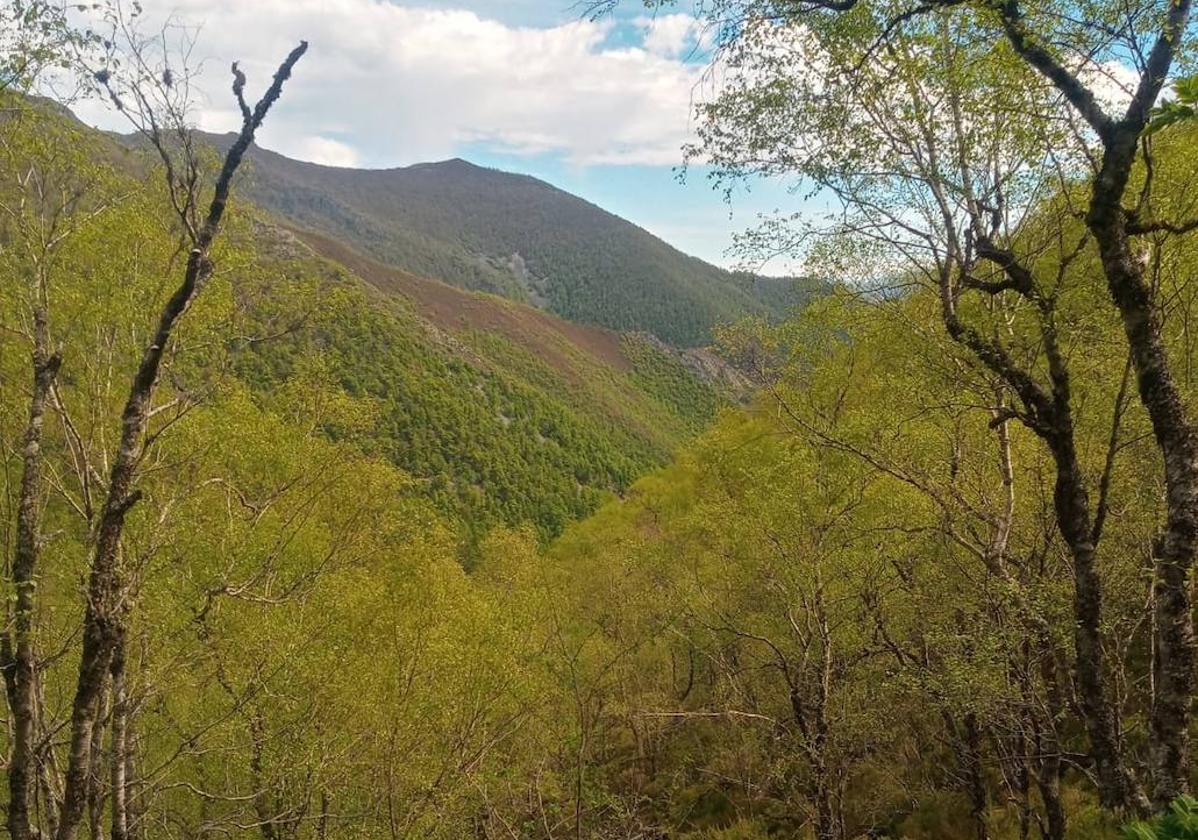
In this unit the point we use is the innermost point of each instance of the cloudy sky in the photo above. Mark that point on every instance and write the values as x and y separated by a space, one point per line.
600 109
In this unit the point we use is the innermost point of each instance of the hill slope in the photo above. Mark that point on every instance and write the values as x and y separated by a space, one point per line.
512 235
505 414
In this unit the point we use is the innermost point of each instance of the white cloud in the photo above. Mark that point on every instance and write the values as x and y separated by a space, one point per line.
1113 82
670 35
396 84
327 151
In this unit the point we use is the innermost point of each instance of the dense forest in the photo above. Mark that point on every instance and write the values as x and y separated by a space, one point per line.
297 545
493 433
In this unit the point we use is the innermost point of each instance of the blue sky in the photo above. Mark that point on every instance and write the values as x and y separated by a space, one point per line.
689 212
600 109
523 12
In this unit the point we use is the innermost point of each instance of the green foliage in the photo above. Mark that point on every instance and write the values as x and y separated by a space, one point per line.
493 434
1183 108
840 611
660 372
1180 822
494 438
36 37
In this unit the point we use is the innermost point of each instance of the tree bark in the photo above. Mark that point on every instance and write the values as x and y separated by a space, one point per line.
1111 224
1177 440
1116 789
975 780
93 670
19 653
1048 412
263 809
826 827
120 747
95 787
49 778
1048 748
322 825
1108 221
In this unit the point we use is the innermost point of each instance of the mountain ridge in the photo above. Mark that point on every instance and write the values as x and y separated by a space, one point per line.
484 229
502 413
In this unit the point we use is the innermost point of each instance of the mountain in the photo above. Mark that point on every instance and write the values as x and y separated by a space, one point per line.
501 413
515 236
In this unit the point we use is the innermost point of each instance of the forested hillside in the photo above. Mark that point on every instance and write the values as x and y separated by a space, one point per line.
504 415
515 236
300 546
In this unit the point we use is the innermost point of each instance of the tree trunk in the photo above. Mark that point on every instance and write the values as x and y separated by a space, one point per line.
262 804
1049 414
812 721
120 747
134 787
103 624
1023 788
975 780
1115 786
1175 435
1175 548
1049 786
1048 748
966 744
20 658
93 672
1108 221
322 825
49 777
826 827
95 786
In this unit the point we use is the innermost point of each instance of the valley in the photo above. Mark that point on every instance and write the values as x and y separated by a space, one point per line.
429 500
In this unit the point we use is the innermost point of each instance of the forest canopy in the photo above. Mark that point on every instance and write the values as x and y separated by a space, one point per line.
286 559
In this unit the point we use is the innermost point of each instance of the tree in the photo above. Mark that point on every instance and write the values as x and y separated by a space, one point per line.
54 194
37 37
106 605
961 139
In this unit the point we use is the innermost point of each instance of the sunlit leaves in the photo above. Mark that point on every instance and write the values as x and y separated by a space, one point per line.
1182 108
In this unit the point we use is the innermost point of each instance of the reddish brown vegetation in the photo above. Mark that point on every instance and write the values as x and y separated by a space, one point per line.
545 336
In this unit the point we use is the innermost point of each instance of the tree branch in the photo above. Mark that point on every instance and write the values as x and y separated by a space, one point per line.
1078 95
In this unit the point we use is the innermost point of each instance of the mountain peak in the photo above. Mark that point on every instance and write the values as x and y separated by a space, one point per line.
513 235
448 163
